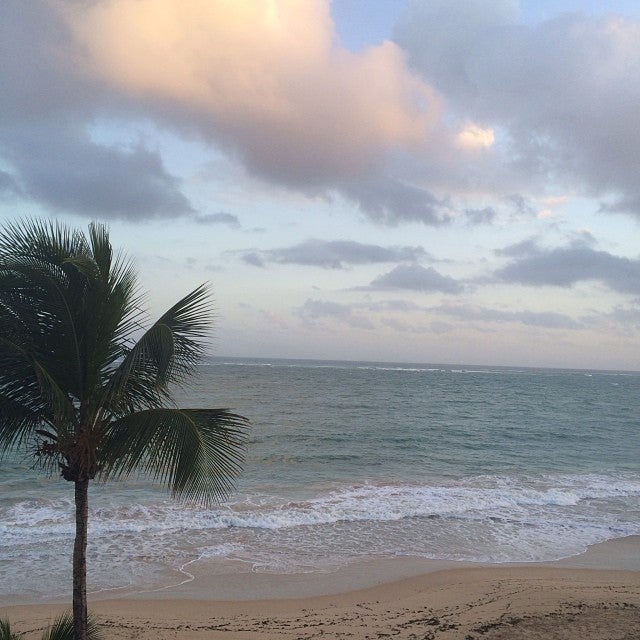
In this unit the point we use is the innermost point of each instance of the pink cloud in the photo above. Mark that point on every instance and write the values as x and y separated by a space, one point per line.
267 79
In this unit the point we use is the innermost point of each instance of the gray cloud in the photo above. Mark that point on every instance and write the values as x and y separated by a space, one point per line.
626 316
8 185
358 315
334 254
313 310
219 218
393 305
62 168
565 91
583 237
544 319
253 258
416 278
391 201
43 81
47 105
520 205
481 216
525 247
406 327
565 266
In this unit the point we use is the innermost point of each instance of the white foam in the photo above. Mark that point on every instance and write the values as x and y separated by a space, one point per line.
483 496
485 518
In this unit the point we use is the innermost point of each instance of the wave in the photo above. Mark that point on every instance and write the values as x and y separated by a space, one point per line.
530 499
133 545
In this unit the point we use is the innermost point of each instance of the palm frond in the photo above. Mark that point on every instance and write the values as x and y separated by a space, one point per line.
5 631
62 629
65 299
101 248
17 424
124 295
189 320
41 241
197 453
39 294
140 380
60 406
167 353
29 398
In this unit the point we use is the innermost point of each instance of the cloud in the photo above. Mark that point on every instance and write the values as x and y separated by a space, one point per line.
416 278
402 326
253 258
393 305
626 316
411 318
520 205
269 81
525 247
334 254
543 319
466 102
313 310
8 185
481 216
47 104
63 169
44 80
562 93
219 218
565 266
475 137
391 201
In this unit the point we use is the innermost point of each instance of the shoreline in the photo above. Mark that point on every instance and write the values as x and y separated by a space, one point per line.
577 597
470 603
231 581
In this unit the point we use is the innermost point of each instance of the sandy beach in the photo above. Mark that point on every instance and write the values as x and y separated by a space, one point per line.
467 603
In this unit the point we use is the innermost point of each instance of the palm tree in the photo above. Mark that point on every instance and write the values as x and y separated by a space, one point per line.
85 395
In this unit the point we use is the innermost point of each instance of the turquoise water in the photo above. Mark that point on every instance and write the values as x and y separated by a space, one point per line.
350 461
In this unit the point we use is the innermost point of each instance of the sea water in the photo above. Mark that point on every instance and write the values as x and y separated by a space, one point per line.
353 461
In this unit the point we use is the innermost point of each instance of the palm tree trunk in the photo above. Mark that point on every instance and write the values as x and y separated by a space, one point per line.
80 561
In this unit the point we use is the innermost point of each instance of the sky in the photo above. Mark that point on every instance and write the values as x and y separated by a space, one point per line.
435 181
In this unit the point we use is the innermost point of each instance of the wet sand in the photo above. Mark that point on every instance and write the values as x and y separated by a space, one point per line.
554 601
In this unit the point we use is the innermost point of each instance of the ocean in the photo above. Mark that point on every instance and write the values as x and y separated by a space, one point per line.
354 461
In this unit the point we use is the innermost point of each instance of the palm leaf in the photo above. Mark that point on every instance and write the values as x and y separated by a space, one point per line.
17 424
46 243
197 453
5 631
62 629
29 397
39 293
167 352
